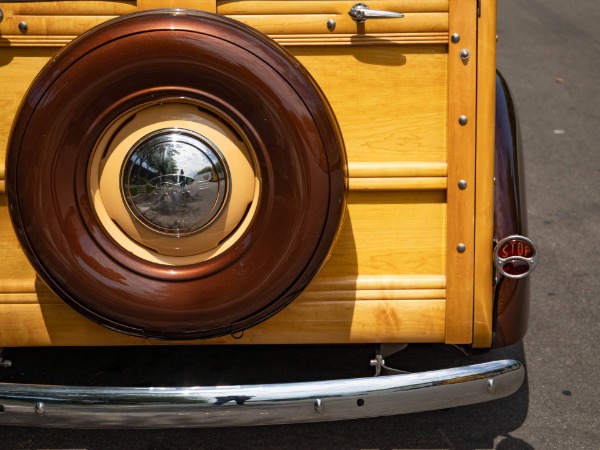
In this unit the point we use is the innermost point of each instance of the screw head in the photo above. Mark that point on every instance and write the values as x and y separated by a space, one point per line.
331 24
318 405
464 54
23 27
461 248
455 38
40 408
1 15
462 184
463 120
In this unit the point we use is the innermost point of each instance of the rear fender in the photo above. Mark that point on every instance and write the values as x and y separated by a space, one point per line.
511 296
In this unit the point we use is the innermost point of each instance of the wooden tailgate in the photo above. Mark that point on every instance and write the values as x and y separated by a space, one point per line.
413 259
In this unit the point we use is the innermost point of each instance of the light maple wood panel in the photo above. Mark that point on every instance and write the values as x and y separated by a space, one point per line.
390 102
307 322
391 233
52 25
15 271
385 233
324 7
317 23
18 68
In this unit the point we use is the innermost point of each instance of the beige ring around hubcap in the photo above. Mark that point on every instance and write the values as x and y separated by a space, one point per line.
173 183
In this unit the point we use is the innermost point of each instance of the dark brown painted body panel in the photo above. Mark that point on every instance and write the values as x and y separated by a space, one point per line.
510 217
206 59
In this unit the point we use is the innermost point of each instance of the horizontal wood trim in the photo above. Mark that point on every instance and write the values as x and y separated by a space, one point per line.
392 287
376 184
360 39
369 282
74 8
17 286
32 297
359 169
400 294
377 176
284 40
303 322
325 7
16 41
397 184
203 5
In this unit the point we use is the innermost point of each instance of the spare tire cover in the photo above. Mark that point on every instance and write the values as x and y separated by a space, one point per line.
228 71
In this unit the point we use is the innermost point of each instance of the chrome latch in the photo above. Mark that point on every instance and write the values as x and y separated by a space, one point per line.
361 12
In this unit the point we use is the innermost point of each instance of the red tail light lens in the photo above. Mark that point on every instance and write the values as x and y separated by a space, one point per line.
515 256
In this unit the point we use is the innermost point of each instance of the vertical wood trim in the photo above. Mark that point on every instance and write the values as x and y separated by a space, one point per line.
462 79
484 201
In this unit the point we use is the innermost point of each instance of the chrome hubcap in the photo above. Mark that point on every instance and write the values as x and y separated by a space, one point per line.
175 182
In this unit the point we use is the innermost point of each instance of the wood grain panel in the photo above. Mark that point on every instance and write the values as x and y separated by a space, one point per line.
247 7
384 233
317 23
392 103
16 272
51 25
306 322
18 68
388 233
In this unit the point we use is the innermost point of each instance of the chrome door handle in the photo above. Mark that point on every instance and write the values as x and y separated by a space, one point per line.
361 12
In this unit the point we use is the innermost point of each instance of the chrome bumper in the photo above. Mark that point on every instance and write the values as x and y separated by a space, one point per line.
156 407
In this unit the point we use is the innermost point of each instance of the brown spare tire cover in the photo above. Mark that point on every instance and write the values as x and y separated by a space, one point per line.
227 69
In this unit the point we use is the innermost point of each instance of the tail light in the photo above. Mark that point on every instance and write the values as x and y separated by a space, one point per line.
515 256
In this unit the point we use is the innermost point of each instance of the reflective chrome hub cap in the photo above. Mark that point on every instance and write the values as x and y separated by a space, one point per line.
175 181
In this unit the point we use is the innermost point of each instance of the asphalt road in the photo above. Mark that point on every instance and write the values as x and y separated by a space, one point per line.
549 51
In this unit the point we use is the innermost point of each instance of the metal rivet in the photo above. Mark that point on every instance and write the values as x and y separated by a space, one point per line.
455 38
331 24
491 386
463 120
1 15
23 27
318 406
40 408
461 248
464 54
462 184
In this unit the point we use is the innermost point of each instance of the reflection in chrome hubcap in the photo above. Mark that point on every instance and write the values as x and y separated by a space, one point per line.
175 181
